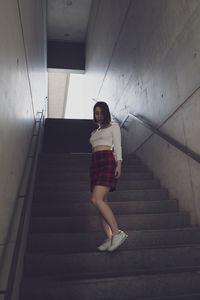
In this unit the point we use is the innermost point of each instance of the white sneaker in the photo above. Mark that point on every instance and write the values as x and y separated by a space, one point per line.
106 244
117 240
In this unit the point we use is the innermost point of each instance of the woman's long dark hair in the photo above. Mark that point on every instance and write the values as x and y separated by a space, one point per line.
105 112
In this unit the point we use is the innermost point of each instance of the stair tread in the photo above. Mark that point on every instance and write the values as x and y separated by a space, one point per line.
119 207
88 241
120 251
113 202
120 180
46 280
175 297
125 191
174 229
184 213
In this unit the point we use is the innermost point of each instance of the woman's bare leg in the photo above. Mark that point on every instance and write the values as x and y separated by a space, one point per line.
105 225
98 194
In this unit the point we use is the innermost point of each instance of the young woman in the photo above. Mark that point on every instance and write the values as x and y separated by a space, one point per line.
105 169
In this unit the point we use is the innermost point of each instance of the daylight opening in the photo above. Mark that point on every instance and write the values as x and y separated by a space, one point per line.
78 105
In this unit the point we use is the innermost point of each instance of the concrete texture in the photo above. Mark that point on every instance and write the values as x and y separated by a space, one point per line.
23 84
33 17
150 194
119 208
65 18
151 68
89 241
176 170
5 252
132 287
103 34
85 265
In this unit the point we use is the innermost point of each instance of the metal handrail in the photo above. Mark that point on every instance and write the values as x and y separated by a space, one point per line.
169 139
8 291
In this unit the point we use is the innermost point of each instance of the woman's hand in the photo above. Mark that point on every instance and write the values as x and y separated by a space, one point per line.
118 169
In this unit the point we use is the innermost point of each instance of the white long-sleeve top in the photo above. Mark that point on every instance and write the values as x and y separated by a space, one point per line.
110 136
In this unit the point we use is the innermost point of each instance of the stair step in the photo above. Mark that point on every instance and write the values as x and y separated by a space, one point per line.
89 241
71 162
77 155
80 162
52 177
120 288
92 223
122 184
86 159
88 209
52 155
177 297
76 169
84 196
93 264
160 260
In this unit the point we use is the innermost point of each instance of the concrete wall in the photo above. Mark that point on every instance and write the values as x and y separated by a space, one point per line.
143 57
57 93
23 85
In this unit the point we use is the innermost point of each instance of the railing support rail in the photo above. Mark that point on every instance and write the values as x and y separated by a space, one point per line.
169 139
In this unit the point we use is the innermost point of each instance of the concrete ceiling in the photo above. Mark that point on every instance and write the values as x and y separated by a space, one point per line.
68 20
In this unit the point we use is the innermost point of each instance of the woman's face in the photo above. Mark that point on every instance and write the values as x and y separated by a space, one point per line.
98 114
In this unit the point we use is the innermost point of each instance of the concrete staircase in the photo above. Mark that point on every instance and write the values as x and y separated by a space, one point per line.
159 260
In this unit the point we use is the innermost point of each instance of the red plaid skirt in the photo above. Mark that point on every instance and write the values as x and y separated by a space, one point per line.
102 169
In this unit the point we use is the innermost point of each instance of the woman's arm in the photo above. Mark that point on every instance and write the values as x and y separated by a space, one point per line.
118 169
117 142
117 148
